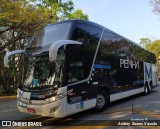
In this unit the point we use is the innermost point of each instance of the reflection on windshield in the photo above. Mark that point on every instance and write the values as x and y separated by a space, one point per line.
40 72
50 34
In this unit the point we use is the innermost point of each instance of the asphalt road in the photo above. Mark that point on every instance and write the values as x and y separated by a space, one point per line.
137 109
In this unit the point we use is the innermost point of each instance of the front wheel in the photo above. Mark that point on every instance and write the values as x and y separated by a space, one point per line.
102 101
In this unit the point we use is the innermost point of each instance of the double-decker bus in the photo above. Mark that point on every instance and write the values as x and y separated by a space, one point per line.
75 65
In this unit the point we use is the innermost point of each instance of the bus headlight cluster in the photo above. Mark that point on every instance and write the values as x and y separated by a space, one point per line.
46 95
59 96
52 99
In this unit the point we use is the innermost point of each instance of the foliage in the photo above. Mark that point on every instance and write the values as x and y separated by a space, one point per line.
153 46
78 14
19 19
145 41
56 9
156 6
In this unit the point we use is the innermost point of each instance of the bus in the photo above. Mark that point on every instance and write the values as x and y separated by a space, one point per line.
74 65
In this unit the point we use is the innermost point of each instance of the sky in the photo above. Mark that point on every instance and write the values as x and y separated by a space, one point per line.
132 19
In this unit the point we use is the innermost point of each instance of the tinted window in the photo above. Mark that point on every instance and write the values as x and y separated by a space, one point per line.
75 71
117 61
111 44
83 55
56 32
50 34
111 48
143 55
87 34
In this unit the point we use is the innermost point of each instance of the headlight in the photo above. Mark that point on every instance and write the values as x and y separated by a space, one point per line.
52 99
46 95
59 96
35 96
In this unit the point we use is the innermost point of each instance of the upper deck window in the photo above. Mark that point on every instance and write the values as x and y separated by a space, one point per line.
80 58
50 34
56 32
86 33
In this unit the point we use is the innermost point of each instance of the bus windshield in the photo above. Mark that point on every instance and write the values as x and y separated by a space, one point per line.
39 72
50 34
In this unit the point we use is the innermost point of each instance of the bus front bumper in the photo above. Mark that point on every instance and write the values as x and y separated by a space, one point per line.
55 109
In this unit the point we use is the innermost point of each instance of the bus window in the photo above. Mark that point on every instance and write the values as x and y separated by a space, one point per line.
86 33
90 36
76 71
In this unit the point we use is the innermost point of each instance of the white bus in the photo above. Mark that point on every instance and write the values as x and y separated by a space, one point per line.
75 65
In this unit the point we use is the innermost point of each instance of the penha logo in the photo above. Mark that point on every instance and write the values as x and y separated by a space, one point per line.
129 64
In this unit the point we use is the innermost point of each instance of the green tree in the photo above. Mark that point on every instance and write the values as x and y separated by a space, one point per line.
145 41
60 9
56 9
156 6
78 14
19 19
153 46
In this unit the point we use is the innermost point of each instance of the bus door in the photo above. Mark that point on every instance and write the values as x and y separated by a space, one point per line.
78 90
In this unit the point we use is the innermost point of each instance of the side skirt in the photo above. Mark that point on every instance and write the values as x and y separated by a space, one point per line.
125 94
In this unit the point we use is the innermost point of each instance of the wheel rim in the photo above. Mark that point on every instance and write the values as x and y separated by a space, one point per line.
100 101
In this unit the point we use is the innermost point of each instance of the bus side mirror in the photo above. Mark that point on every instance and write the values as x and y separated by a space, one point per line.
56 45
8 54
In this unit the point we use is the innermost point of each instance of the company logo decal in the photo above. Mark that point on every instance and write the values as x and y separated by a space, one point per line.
129 64
148 72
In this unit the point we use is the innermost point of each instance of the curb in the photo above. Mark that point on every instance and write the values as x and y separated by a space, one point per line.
7 97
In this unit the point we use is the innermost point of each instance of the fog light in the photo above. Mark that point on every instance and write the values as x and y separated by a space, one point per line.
54 109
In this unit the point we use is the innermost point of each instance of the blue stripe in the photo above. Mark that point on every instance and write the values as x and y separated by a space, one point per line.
98 66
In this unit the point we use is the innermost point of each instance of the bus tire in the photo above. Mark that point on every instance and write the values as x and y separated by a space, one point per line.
150 86
146 89
102 101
